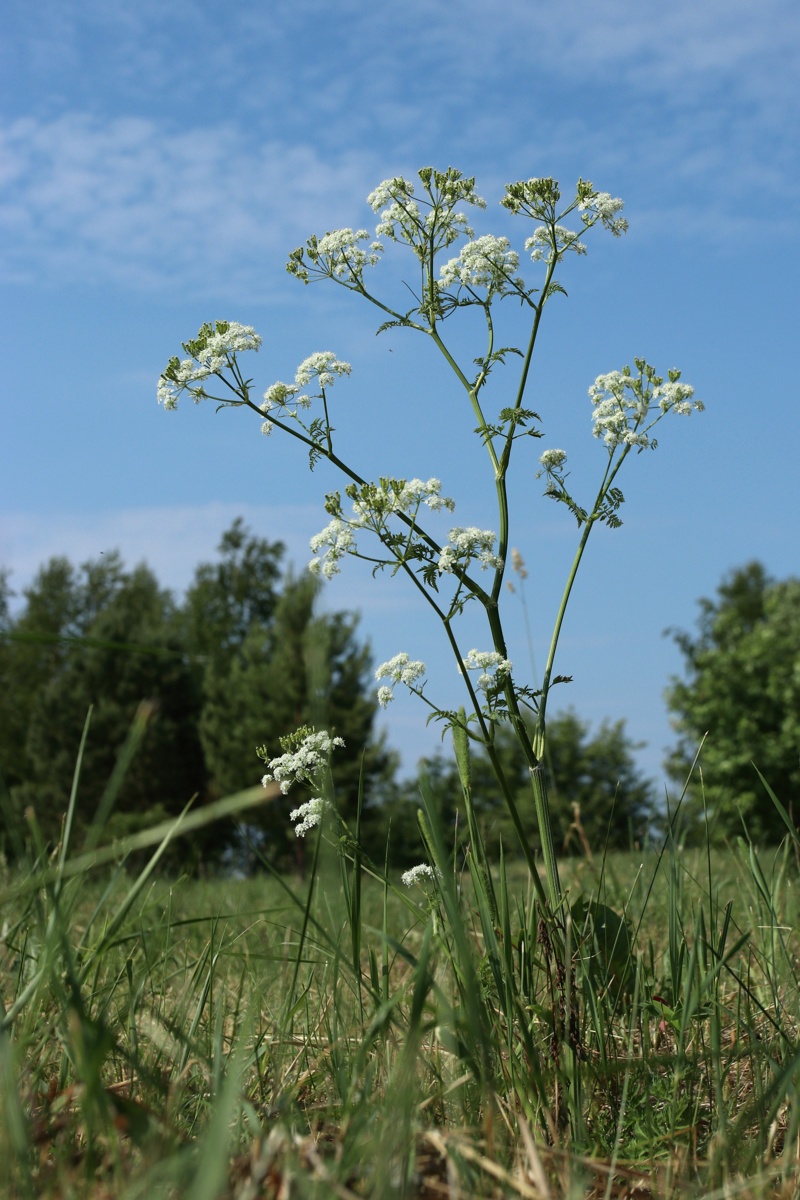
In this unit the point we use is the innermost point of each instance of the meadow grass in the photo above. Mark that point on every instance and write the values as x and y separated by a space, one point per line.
340 1034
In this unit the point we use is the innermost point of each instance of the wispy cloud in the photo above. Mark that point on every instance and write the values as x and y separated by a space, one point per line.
126 201
678 107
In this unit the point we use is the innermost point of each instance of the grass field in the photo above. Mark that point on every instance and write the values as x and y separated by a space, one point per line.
346 1036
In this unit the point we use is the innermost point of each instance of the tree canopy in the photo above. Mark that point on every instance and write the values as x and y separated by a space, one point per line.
598 795
742 692
241 660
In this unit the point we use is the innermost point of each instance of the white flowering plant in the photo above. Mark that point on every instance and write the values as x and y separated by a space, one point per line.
387 523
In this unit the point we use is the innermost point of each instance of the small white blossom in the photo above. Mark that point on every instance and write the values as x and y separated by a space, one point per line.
345 258
605 207
624 402
401 669
418 874
415 492
468 543
388 191
308 815
278 396
232 338
405 214
210 352
180 377
486 661
395 496
541 243
323 366
486 262
401 218
337 540
301 764
552 460
676 396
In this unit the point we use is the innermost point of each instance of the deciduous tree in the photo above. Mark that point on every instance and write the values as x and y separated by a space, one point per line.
742 692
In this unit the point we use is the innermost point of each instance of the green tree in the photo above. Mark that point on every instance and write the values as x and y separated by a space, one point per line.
742 692
32 653
242 661
100 637
599 796
230 598
104 638
296 670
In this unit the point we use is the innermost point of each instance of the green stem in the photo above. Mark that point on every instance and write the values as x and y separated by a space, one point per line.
608 479
471 391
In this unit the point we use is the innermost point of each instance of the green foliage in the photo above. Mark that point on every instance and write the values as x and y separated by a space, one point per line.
243 660
297 669
113 648
597 794
743 691
230 597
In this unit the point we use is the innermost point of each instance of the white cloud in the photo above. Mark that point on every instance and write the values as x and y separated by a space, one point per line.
128 201
680 105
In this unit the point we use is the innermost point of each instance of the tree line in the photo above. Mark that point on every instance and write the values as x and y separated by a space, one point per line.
182 692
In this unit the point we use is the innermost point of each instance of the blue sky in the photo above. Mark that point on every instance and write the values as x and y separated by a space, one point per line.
157 163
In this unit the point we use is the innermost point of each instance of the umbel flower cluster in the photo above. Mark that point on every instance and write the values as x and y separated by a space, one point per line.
285 399
493 667
212 351
399 669
305 754
373 506
420 874
307 816
431 221
627 406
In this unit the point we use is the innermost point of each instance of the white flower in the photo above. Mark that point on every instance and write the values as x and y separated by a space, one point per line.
486 262
468 543
415 492
278 395
601 205
418 874
345 258
178 377
337 540
230 338
542 246
210 352
401 669
676 396
486 661
397 495
402 220
552 460
323 366
301 763
388 191
308 814
167 393
623 403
